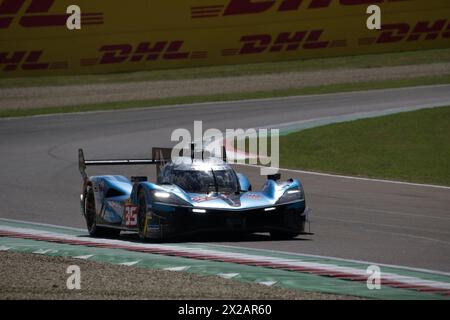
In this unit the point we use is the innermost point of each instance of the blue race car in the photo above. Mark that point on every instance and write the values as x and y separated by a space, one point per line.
190 196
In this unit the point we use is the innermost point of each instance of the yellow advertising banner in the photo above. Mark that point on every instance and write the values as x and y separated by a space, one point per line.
117 36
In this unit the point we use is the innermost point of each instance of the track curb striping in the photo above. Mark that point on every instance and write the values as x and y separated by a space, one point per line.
333 271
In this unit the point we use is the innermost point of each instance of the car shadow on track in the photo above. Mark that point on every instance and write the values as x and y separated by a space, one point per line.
217 238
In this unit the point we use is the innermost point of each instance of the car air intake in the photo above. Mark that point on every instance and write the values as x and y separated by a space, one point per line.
113 193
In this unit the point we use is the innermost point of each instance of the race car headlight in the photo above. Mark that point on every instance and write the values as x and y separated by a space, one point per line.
168 198
291 196
161 195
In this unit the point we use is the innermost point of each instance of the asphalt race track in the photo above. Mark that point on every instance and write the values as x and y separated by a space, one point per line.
382 222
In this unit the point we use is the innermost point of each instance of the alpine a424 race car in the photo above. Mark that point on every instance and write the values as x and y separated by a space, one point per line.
190 196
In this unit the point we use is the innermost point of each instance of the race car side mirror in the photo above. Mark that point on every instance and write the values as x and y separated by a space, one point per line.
244 183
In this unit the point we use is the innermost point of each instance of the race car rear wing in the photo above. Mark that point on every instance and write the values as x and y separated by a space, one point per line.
160 156
83 163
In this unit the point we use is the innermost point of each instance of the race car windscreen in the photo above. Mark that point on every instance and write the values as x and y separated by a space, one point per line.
197 181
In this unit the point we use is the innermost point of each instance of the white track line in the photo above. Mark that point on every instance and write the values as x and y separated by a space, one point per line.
43 224
356 178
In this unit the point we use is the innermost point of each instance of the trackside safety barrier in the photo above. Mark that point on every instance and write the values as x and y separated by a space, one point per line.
118 36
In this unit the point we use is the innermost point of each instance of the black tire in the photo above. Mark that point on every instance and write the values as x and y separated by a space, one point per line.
91 218
282 235
142 213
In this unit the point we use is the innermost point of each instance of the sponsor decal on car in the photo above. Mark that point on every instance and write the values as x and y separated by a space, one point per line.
203 198
253 196
130 215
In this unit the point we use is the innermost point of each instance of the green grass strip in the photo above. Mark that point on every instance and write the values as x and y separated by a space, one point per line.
409 146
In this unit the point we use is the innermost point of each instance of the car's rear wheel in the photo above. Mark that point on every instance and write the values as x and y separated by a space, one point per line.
283 235
91 218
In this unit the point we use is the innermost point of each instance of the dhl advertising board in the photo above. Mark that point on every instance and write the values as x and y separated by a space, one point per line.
133 35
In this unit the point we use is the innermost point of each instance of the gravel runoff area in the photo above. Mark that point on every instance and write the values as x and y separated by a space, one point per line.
36 276
52 96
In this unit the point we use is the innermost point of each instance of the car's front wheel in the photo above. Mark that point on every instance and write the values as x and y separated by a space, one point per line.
91 218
